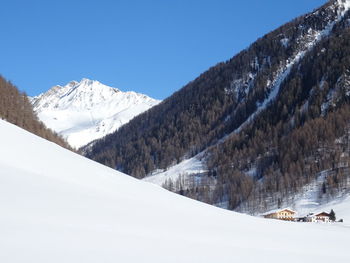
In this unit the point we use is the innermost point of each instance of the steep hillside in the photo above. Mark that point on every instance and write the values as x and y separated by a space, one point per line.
87 110
75 210
16 108
263 124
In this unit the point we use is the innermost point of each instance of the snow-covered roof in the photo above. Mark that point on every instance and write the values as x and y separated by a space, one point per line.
314 214
279 210
322 214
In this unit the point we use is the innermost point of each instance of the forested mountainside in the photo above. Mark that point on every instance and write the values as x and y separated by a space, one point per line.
267 121
16 108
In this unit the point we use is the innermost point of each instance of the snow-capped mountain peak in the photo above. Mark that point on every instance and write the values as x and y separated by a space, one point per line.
88 110
75 94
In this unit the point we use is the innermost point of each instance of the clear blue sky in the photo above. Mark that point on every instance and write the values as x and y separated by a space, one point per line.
153 47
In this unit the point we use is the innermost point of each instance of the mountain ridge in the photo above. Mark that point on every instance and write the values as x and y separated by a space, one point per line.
88 110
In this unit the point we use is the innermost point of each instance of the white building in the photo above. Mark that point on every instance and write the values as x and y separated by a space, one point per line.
320 217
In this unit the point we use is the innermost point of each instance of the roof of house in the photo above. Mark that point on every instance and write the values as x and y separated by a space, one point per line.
279 210
322 214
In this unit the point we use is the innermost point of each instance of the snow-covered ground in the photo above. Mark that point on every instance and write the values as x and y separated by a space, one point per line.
340 206
88 110
309 200
57 206
185 168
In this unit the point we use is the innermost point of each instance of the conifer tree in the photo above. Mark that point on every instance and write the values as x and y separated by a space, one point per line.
332 215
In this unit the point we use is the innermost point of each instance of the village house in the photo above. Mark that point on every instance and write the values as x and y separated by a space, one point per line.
281 214
315 218
310 218
288 214
323 217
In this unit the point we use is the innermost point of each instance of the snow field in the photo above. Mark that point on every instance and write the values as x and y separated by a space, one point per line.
57 206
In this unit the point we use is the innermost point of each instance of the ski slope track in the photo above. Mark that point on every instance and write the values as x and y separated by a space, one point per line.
57 206
88 110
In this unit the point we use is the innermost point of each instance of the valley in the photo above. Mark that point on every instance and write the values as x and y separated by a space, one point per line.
247 161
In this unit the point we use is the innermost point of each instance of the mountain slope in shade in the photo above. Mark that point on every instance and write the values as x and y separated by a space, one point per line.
88 110
75 210
249 133
222 100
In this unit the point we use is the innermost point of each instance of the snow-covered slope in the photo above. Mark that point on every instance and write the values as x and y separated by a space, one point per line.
88 110
57 206
308 37
185 168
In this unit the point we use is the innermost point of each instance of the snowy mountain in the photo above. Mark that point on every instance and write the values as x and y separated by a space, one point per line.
88 110
57 206
252 132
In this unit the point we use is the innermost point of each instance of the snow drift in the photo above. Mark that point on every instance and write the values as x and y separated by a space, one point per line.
57 206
